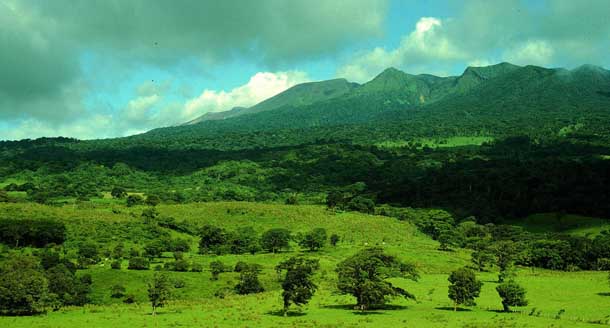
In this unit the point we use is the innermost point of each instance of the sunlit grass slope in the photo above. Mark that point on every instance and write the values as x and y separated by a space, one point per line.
583 296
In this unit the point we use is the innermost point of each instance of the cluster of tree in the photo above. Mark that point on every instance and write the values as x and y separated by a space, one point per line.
245 240
501 244
31 232
351 198
220 241
30 285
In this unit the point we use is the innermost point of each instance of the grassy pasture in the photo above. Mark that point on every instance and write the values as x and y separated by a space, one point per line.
584 296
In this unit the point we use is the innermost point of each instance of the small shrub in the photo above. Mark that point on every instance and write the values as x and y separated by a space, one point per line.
138 263
117 291
179 283
116 264
181 265
196 267
216 268
240 266
129 299
334 239
223 292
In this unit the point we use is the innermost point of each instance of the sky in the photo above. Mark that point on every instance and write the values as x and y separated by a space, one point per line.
109 68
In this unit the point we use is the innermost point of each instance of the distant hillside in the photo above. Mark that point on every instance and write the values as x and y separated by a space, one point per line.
299 95
498 100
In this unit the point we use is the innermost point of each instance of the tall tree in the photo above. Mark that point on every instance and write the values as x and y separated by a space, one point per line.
297 284
464 287
365 274
505 252
512 294
159 291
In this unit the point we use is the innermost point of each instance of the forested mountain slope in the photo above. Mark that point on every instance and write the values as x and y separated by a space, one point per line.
299 95
498 100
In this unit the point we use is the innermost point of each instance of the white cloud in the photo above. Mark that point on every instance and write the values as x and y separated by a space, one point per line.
533 52
94 126
261 86
139 109
425 44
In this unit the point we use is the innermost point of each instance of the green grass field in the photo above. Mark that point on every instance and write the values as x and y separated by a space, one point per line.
584 296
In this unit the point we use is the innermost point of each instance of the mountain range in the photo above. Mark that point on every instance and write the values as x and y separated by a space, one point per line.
497 100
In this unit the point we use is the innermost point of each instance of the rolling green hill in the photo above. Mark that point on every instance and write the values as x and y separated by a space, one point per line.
580 302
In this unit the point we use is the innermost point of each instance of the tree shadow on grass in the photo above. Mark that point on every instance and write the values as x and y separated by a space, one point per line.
372 310
365 313
159 313
280 313
450 308
503 312
603 294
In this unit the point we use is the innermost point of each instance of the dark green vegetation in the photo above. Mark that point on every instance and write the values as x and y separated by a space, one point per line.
503 169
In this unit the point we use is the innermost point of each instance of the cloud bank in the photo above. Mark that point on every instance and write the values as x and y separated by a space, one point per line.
561 33
43 43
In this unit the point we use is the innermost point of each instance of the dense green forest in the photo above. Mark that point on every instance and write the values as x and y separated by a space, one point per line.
502 179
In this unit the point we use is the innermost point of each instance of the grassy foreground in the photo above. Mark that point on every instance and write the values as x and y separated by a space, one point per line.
583 308
557 299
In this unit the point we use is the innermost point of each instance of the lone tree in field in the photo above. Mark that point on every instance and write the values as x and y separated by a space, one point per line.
512 294
297 284
274 240
464 287
365 274
159 291
314 239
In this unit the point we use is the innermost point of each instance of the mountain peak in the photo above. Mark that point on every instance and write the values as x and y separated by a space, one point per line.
390 71
490 71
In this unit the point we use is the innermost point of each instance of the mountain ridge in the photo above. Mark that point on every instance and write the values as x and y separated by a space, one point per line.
297 95
495 100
